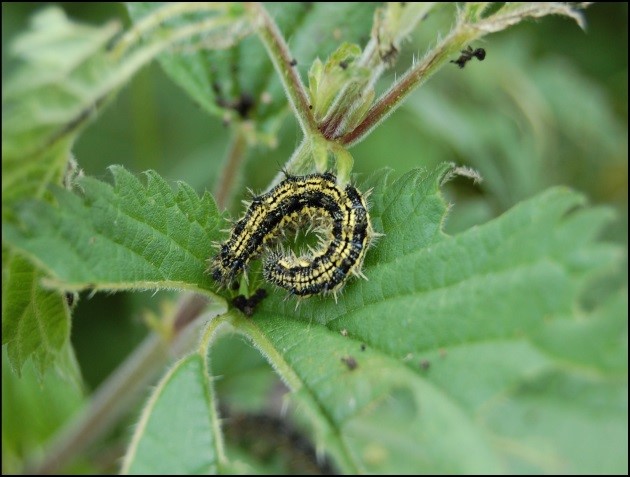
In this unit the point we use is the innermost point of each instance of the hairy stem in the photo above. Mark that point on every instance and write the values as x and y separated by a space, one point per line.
413 78
471 25
284 64
227 178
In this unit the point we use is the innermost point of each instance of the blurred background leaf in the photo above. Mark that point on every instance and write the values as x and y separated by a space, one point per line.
242 80
60 79
35 406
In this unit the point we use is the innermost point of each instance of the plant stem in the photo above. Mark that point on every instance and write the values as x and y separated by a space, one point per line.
284 64
469 27
231 167
120 391
413 78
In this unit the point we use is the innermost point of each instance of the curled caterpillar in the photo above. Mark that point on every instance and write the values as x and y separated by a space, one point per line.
341 212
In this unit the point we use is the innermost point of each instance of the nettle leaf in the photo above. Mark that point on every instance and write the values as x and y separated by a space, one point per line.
242 78
466 353
67 72
64 74
125 236
36 405
178 432
45 101
35 321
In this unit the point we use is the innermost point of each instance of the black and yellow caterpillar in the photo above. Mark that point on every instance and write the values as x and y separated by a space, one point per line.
342 215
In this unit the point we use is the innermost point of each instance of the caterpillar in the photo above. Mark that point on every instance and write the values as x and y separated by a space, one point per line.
341 213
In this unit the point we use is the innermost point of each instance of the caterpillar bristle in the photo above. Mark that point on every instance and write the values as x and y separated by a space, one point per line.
359 273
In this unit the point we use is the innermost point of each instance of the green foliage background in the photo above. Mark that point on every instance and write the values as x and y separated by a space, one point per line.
547 107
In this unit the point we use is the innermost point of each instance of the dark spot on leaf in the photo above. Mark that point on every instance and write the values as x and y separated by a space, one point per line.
240 302
248 305
350 362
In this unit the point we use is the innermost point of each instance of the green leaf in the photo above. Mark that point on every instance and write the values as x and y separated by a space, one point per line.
35 321
178 432
66 73
62 77
246 378
220 81
545 143
595 341
326 79
125 236
35 406
452 357
46 99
